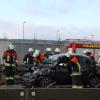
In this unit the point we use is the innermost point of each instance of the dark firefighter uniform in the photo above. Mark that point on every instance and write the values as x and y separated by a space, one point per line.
28 59
48 54
93 62
57 51
92 59
75 72
10 61
89 55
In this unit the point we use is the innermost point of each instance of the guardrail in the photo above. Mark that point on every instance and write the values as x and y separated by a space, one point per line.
12 94
49 94
67 94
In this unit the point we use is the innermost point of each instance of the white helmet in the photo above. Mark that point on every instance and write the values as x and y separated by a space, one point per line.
30 49
58 50
86 52
37 52
48 49
11 46
70 53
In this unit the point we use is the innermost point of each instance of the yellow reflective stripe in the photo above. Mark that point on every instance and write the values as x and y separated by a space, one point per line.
14 58
8 58
6 64
80 87
75 74
9 78
12 64
6 78
79 67
74 86
27 60
77 87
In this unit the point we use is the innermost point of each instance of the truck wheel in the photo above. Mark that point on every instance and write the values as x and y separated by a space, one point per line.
94 82
45 81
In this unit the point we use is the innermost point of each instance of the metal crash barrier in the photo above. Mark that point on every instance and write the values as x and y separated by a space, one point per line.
49 94
12 94
16 93
67 94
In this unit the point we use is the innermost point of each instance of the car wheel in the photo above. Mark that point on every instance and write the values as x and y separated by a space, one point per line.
94 82
45 81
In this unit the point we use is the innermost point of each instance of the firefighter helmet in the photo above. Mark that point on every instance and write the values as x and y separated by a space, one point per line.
36 53
11 46
30 49
69 54
87 52
58 50
48 49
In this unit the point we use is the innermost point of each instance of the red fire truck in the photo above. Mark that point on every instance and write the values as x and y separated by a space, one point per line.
79 47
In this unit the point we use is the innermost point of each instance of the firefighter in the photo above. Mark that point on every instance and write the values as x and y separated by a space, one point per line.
38 57
98 61
74 65
28 58
48 53
89 54
10 61
57 51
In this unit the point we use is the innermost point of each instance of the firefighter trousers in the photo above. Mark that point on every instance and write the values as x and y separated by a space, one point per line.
77 81
9 75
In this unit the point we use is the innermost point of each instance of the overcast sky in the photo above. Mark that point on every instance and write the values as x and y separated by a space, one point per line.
48 19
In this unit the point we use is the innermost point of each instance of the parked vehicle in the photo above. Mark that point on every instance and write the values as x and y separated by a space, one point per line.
50 73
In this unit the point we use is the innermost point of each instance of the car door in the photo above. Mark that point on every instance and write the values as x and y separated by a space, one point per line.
85 64
62 74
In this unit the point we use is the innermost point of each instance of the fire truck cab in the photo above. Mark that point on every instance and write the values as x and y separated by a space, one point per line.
80 47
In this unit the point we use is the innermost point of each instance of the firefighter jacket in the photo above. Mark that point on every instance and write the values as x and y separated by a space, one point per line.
10 58
39 58
48 54
28 58
92 60
75 66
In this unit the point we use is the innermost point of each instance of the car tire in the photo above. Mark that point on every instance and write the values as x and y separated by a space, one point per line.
94 82
45 81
